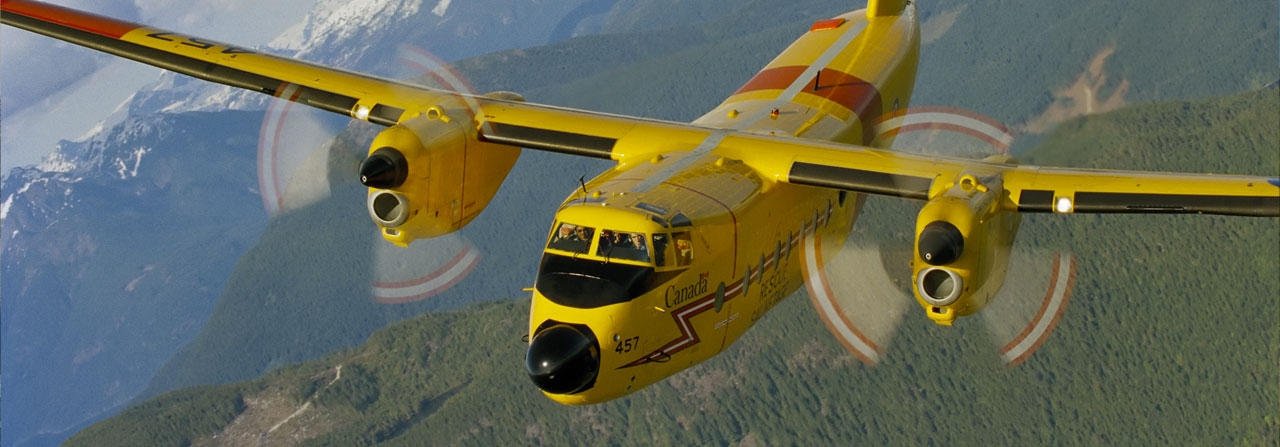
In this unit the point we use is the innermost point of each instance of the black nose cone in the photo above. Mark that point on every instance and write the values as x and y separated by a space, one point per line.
940 243
562 360
386 168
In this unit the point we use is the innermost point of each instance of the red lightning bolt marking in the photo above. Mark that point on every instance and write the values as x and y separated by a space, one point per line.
688 336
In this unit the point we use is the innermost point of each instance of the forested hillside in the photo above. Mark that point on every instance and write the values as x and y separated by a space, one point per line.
277 310
1171 338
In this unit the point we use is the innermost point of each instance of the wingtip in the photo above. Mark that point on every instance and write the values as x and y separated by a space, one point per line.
70 18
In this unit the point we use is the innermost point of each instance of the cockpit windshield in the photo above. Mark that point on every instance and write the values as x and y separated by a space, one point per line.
671 250
571 238
623 245
584 268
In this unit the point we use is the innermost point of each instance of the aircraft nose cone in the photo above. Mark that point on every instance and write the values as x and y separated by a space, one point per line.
562 360
386 168
940 243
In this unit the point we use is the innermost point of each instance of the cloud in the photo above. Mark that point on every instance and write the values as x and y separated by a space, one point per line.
33 70
185 13
32 67
243 22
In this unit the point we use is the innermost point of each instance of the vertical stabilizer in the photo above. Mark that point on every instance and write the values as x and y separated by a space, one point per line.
885 8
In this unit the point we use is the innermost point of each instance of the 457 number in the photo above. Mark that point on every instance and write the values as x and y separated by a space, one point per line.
627 344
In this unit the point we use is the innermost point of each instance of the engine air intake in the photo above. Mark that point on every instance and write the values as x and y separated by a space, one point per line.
938 286
388 209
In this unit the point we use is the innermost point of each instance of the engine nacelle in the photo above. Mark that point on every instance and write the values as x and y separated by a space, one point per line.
430 175
962 246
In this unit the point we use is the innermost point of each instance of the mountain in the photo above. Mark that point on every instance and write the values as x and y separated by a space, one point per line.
114 253
370 36
1022 58
82 89
661 58
673 73
1170 338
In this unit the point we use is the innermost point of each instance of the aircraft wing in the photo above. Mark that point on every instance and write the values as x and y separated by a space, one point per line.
1043 189
507 119
377 100
365 97
1026 188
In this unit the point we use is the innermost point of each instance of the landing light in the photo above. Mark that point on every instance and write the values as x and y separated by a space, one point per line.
1062 205
362 112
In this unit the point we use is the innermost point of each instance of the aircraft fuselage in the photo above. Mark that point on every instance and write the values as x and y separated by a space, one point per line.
654 267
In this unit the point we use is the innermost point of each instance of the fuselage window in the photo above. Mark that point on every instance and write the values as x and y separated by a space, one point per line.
684 248
572 238
623 245
675 249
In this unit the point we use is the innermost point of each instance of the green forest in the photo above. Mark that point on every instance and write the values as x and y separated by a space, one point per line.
1172 337
301 292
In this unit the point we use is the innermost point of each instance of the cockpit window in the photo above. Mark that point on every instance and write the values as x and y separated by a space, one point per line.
623 245
571 238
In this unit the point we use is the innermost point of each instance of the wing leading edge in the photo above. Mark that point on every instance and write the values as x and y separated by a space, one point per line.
1027 188
360 96
501 118
506 119
1042 189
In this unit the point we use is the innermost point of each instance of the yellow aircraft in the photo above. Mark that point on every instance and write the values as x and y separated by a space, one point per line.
699 229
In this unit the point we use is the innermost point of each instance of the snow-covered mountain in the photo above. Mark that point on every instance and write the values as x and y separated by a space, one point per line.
114 252
368 36
116 246
360 35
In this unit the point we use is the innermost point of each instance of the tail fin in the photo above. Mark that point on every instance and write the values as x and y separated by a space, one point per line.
885 8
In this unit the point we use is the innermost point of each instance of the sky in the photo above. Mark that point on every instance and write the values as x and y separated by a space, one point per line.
51 90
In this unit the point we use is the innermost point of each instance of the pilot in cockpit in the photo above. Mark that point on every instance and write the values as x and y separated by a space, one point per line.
570 237
638 245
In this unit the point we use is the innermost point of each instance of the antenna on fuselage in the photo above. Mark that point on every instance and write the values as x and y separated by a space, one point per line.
583 181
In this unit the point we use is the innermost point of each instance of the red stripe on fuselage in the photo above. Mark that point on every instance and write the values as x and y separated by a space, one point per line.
71 18
857 95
